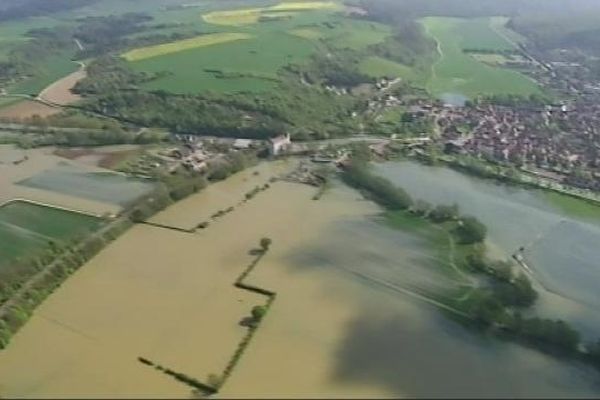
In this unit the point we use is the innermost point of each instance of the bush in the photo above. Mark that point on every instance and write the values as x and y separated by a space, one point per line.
471 230
443 213
265 243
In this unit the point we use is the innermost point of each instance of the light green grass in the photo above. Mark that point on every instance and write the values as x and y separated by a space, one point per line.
574 207
253 65
479 33
378 67
457 72
26 228
306 33
248 65
356 34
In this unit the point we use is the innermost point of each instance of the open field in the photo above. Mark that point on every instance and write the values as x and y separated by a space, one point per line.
182 45
457 72
17 165
253 65
479 33
53 69
356 35
253 15
243 65
27 109
378 67
26 228
575 207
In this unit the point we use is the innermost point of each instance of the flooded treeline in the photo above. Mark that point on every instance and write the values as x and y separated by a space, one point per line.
499 305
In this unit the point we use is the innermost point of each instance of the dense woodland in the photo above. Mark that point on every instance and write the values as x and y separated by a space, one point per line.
17 9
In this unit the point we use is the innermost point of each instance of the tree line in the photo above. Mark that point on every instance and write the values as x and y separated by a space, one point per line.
497 305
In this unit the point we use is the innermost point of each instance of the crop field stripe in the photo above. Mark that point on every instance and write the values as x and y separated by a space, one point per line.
143 53
24 231
251 15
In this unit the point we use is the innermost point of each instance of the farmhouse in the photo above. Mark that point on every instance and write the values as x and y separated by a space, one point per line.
241 144
279 144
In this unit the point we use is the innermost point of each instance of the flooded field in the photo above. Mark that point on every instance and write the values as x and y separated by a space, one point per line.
561 248
106 187
220 196
347 319
40 168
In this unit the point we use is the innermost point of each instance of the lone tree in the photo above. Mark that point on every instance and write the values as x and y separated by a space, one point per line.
471 230
258 312
265 243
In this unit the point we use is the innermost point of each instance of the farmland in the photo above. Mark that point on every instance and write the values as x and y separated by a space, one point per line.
252 64
26 228
243 65
144 53
254 15
457 72
380 67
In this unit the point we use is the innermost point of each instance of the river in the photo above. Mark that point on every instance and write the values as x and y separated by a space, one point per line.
346 320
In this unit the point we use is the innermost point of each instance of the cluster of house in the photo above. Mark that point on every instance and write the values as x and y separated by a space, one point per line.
196 153
559 139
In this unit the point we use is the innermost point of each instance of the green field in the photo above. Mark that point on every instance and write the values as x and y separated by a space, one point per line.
575 207
246 65
457 72
378 67
26 228
253 64
51 70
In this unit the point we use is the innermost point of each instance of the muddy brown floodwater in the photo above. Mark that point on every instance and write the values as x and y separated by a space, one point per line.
337 328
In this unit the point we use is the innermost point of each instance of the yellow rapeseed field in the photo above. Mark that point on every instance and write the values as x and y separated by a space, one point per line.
251 15
143 53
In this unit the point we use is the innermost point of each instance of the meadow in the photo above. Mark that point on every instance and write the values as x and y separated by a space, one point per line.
254 64
378 67
26 228
51 70
457 72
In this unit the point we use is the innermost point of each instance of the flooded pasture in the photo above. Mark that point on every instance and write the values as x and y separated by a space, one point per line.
39 175
560 248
